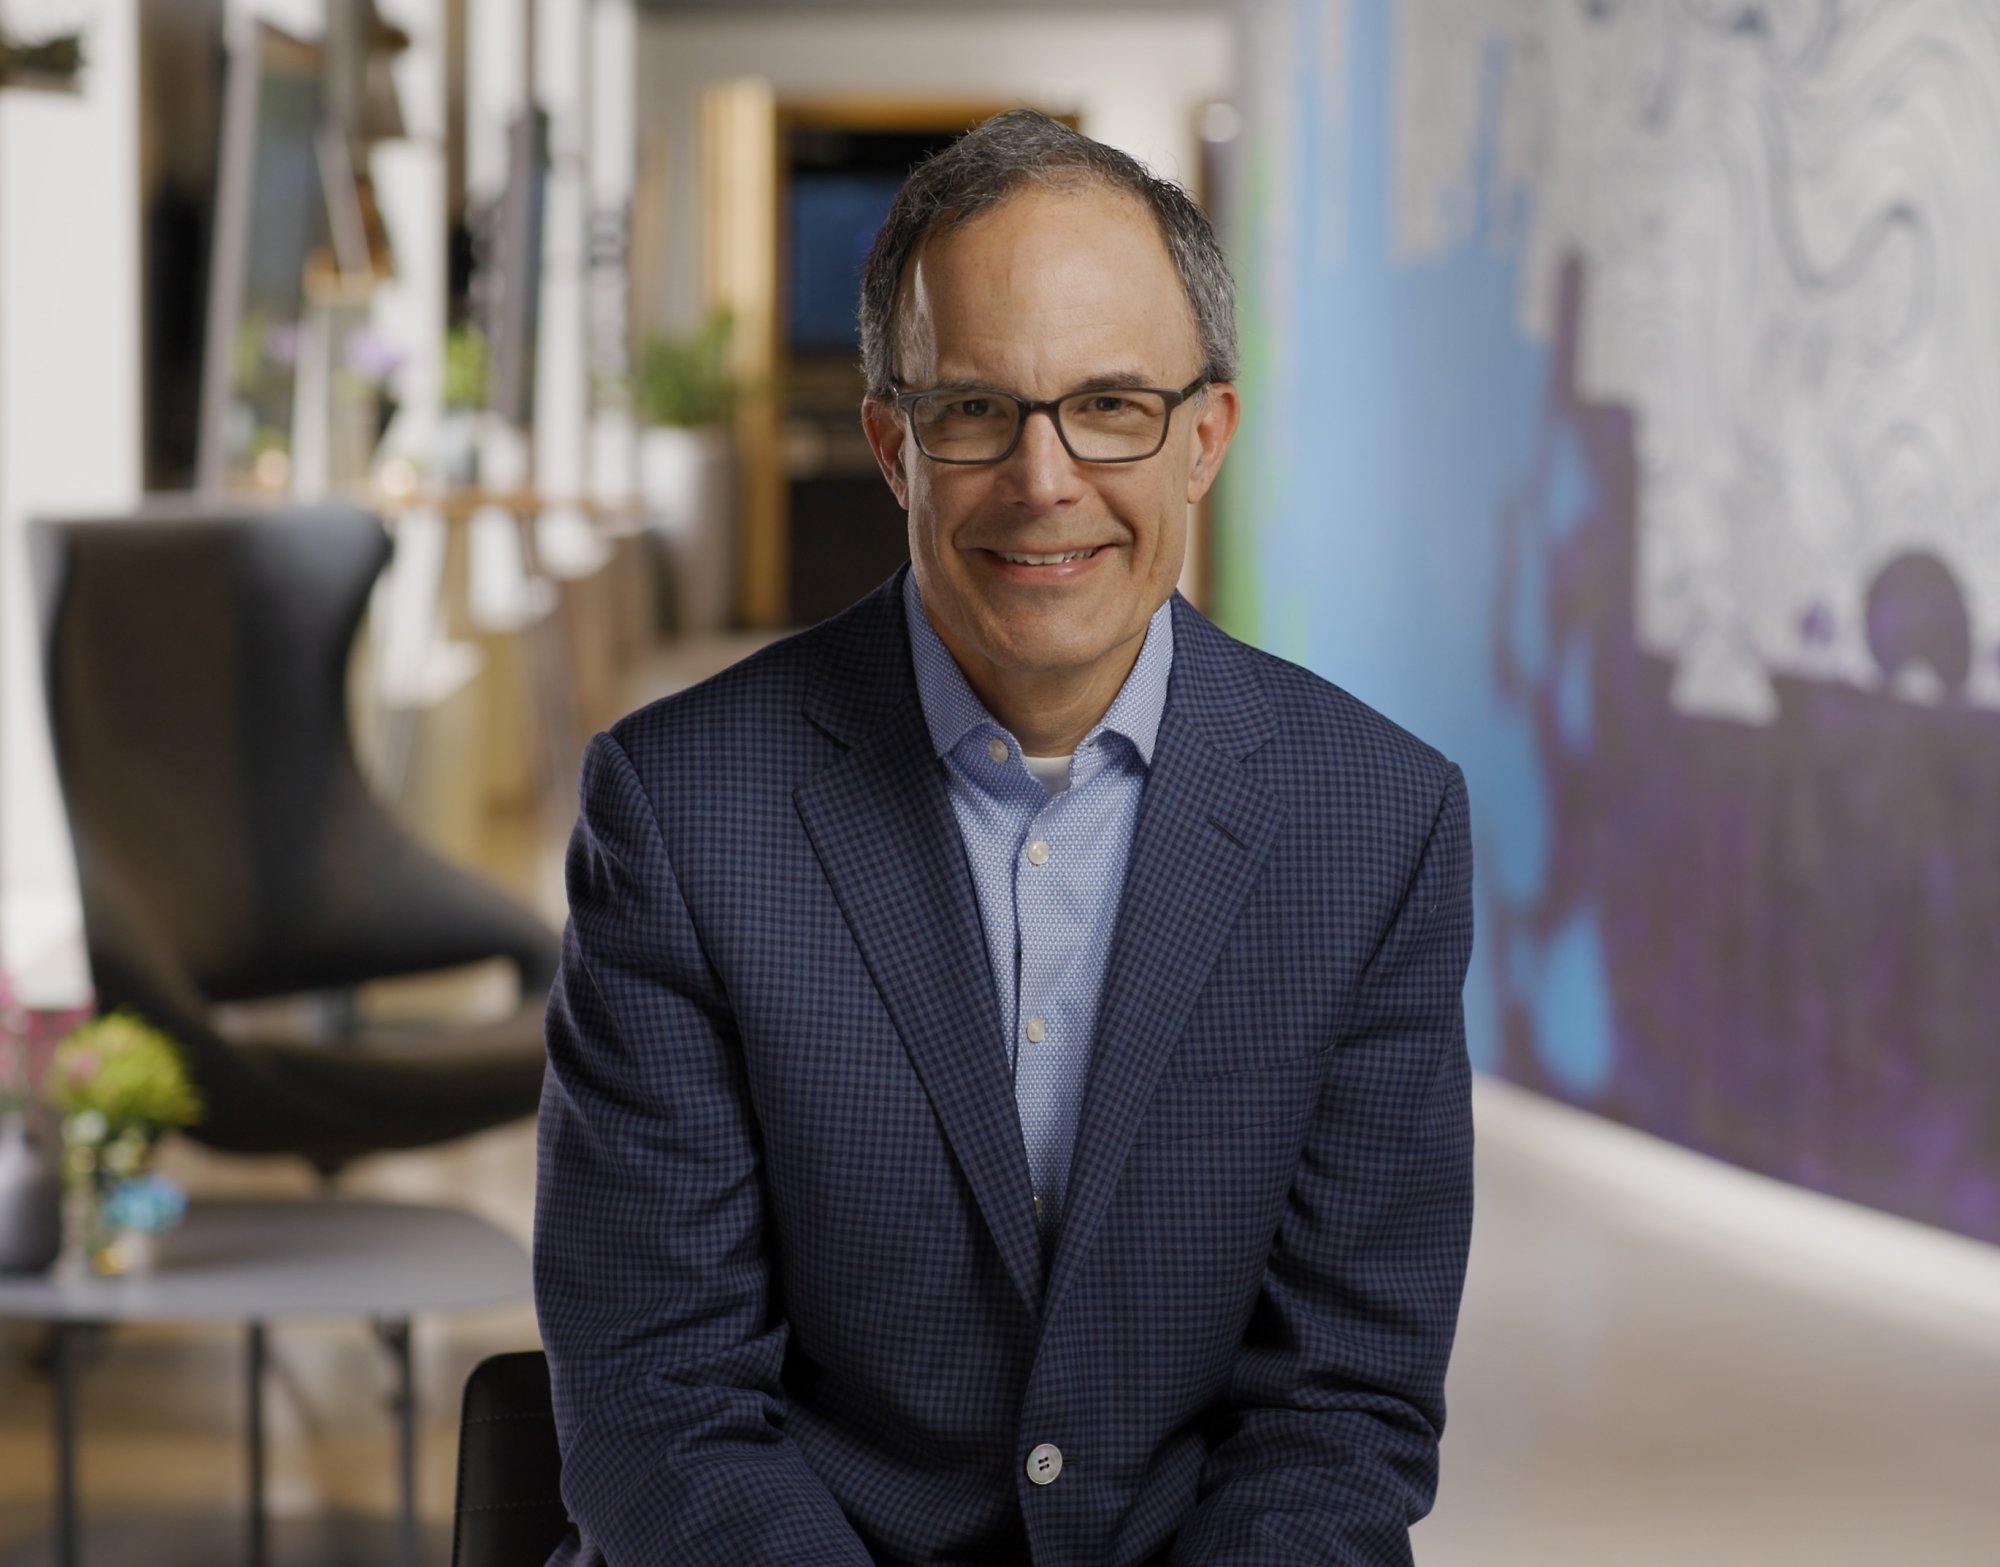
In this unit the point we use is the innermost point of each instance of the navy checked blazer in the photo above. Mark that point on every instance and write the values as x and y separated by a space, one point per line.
785 1256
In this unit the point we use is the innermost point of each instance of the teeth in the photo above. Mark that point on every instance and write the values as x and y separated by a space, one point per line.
1046 560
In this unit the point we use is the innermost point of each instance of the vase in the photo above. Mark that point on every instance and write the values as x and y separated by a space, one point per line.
86 1235
129 1253
30 1195
458 447
97 1168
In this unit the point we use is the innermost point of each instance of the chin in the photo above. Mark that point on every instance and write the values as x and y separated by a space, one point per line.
1050 655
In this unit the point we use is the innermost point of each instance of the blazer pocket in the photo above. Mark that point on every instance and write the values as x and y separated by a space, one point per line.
1184 1108
1211 1054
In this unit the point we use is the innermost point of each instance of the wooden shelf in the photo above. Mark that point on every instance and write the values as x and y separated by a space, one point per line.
39 81
459 503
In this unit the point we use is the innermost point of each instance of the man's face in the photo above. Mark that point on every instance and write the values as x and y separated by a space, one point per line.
1050 291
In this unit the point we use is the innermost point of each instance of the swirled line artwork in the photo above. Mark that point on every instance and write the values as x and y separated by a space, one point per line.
1632 442
1787 213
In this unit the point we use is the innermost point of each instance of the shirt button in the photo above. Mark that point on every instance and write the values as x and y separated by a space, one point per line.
1035 1030
1038 1207
1038 853
1044 1462
997 749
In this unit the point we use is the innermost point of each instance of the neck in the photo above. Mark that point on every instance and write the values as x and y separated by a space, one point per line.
1049 712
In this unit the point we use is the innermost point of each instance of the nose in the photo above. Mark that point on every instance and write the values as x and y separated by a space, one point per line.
1041 471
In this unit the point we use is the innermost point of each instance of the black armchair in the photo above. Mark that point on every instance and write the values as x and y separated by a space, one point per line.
227 846
508 1511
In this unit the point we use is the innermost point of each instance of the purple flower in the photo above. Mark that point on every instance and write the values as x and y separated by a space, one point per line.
368 353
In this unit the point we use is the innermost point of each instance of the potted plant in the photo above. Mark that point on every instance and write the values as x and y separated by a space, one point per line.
685 396
47 64
30 1167
466 365
119 1085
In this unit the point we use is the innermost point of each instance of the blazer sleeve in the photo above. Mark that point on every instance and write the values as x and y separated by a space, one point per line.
1338 1391
651 1279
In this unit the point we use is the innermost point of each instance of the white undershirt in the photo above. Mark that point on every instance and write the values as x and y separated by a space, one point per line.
1051 772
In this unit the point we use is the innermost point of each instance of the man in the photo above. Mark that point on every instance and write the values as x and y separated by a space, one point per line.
1007 1098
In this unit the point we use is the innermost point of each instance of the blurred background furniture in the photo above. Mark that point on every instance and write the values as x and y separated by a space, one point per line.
228 848
261 1262
508 1511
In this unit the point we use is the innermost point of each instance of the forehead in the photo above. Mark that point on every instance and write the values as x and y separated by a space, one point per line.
1051 286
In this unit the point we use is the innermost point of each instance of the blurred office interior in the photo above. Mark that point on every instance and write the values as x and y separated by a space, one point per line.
404 389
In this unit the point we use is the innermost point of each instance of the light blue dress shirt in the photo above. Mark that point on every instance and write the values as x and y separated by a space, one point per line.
1049 873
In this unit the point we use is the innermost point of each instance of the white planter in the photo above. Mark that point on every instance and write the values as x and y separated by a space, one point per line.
458 447
686 486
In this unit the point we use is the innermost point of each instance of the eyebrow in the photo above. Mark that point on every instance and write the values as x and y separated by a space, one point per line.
1104 381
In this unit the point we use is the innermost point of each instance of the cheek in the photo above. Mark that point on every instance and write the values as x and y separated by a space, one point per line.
1157 516
921 505
939 507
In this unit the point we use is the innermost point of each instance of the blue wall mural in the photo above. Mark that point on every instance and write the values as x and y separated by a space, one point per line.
1619 385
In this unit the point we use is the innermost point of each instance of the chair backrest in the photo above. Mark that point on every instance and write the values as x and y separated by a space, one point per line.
509 1510
196 672
227 845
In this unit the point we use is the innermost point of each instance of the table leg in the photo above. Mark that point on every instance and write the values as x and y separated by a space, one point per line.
253 1369
395 1334
67 1349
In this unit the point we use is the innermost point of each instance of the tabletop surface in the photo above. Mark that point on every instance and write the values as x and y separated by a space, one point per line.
270 1260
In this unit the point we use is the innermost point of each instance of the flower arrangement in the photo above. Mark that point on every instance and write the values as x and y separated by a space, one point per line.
124 1076
28 1037
30 1161
149 1204
134 1220
119 1084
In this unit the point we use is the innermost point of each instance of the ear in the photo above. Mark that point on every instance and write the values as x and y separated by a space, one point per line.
1214 427
887 439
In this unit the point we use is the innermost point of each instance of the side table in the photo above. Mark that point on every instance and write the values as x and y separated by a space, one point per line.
259 1262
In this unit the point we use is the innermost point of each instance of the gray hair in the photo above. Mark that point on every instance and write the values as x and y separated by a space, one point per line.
993 161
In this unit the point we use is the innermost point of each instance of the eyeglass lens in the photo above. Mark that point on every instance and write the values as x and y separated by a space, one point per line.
1101 426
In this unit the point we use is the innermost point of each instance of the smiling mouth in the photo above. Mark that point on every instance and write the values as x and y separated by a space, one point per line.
1016 558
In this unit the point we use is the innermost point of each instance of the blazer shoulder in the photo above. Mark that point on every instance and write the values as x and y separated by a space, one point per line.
774 665
757 712
741 714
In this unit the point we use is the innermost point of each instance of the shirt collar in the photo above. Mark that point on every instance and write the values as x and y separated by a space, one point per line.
952 710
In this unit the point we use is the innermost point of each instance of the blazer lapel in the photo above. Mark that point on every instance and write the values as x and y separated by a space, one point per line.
1204 830
881 822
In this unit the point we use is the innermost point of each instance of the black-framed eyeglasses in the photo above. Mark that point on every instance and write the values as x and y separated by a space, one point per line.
1100 424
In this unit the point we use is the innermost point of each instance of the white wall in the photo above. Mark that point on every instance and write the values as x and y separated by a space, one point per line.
70 416
409 309
613 160
1134 79
574 452
69 424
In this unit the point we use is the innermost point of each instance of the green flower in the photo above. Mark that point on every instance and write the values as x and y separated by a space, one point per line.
124 1073
465 368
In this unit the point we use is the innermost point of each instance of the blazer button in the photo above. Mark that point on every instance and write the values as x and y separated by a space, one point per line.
1044 1463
